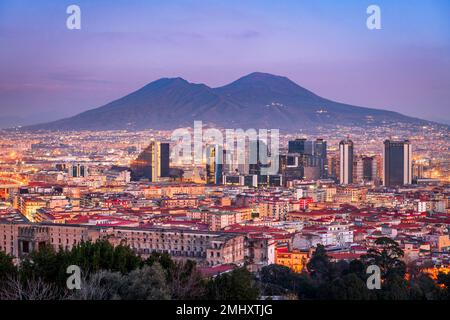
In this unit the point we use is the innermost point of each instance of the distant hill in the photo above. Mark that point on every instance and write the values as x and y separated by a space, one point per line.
258 100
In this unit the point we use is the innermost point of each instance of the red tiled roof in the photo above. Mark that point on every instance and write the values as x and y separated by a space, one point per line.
216 270
343 255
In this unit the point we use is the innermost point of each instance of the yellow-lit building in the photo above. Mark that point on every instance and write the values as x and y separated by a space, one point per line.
294 260
29 206
443 242
275 209
356 194
329 194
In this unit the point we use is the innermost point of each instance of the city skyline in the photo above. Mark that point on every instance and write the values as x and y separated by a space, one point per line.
51 72
225 153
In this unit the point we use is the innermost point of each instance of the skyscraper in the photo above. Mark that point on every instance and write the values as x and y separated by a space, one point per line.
78 170
214 164
397 163
320 154
346 161
314 154
152 163
365 169
258 156
297 146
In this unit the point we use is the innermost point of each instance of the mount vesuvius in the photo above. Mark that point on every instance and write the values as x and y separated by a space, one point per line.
257 100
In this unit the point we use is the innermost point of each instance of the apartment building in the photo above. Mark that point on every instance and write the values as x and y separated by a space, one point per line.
217 220
295 260
333 234
179 202
207 248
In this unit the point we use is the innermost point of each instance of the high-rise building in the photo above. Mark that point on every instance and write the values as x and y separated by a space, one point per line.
419 168
297 146
320 154
292 166
365 169
397 163
369 168
152 163
346 161
258 156
78 170
314 154
333 165
160 161
214 164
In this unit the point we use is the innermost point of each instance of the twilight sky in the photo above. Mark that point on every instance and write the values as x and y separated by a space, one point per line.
48 71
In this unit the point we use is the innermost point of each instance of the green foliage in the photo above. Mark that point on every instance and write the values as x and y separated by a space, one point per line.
184 279
51 266
319 266
394 288
347 281
387 256
280 280
101 285
239 284
7 267
43 264
347 287
118 273
101 255
423 287
186 282
164 259
358 268
277 280
146 283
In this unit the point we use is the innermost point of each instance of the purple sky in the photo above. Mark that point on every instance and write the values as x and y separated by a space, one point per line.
47 71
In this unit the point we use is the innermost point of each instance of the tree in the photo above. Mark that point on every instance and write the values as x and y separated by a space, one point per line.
101 255
101 285
183 277
277 280
444 280
395 287
347 287
319 266
386 255
236 285
164 259
124 259
186 282
42 264
305 287
422 287
51 266
358 268
16 288
280 280
7 267
146 283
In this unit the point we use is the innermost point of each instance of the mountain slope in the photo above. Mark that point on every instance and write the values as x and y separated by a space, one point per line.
258 100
